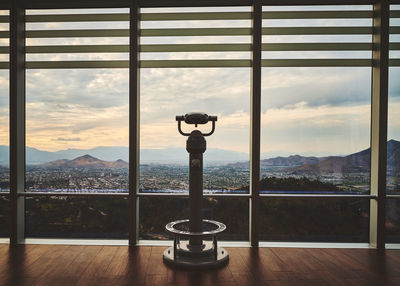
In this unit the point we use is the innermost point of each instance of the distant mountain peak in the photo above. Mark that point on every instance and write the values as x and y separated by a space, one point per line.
356 162
86 157
86 161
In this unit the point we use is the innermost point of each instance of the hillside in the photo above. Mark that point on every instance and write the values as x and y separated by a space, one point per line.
113 153
86 161
357 162
290 161
290 184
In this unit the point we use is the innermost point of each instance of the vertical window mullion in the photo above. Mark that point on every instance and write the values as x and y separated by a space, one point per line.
255 117
17 123
379 114
134 123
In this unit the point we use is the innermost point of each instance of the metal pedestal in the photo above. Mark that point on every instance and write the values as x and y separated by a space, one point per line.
190 250
184 255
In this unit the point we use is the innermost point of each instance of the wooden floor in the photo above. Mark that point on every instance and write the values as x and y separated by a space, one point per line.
120 265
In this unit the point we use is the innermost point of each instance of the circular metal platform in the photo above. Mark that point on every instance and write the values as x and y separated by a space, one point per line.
172 227
196 262
206 255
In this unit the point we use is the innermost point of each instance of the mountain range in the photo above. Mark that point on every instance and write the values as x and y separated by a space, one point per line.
356 162
86 161
108 153
73 158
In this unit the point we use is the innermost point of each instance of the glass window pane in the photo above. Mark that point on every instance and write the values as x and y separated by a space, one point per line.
155 213
76 217
315 220
393 148
77 128
315 121
167 92
392 221
4 216
77 132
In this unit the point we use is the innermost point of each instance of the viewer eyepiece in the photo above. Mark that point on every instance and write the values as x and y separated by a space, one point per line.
196 118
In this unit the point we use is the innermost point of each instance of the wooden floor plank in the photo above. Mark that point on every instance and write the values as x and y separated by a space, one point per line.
98 266
42 265
259 263
291 261
38 267
155 265
135 271
119 264
333 265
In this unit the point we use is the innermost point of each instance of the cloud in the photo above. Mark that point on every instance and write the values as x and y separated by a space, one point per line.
68 139
302 129
315 86
90 88
47 122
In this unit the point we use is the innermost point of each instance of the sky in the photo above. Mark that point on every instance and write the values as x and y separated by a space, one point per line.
308 111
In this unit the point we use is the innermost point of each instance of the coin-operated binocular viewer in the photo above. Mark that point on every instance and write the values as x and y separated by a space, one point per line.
190 250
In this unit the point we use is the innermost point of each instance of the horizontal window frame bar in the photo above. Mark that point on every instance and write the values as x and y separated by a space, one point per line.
195 16
395 14
394 62
394 30
94 194
101 17
316 62
201 63
393 197
77 64
195 63
318 47
78 33
310 196
76 49
71 194
186 195
163 195
339 14
192 32
169 48
125 48
269 244
339 30
46 4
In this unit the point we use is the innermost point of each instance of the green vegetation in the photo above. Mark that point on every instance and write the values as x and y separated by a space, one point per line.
293 184
314 220
4 216
155 213
76 217
303 184
281 219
